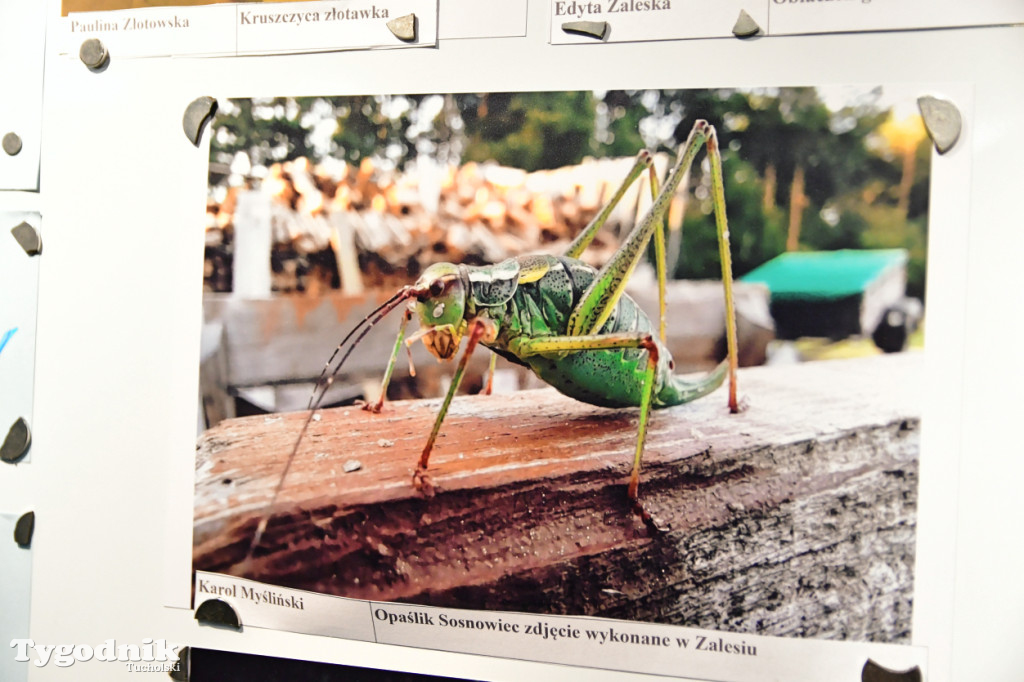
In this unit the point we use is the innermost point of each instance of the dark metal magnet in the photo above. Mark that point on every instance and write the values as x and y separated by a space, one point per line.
23 529
180 672
218 612
28 238
591 29
93 54
198 113
17 442
872 672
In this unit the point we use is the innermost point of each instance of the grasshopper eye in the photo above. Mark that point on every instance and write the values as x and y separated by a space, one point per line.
436 287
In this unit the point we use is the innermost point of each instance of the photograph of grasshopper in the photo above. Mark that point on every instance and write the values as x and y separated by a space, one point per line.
607 457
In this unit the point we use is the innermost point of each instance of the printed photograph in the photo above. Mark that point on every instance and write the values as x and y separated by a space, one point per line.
648 355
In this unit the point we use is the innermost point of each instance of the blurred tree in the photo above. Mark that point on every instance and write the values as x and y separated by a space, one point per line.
904 137
797 175
529 130
618 126
267 130
395 128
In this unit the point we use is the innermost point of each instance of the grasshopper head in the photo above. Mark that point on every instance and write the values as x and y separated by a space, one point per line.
441 307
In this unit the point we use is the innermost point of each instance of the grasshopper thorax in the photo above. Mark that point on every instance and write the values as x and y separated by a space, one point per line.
440 305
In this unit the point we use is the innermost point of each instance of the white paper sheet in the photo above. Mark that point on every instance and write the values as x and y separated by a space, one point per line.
481 19
19 282
639 20
587 642
249 29
22 38
15 597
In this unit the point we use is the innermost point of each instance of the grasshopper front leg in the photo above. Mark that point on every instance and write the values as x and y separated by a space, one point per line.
379 404
480 328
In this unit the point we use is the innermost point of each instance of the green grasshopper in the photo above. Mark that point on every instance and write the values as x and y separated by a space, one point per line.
572 325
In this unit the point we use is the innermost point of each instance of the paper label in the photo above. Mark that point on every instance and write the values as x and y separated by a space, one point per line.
19 280
636 20
15 597
22 37
571 640
482 19
250 29
639 20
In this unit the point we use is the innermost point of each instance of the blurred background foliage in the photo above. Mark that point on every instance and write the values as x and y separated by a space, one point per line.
801 173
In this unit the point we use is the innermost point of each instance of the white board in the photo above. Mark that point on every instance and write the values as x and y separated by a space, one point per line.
119 325
15 599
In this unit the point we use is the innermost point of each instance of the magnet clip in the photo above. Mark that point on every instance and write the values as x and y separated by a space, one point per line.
404 28
218 612
591 29
28 238
182 671
872 672
17 442
942 120
94 55
198 113
12 144
745 26
23 529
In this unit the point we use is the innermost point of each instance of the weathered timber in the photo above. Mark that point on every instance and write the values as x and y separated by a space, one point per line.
795 517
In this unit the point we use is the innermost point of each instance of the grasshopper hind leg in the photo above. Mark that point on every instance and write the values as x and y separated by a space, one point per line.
638 508
633 490
597 342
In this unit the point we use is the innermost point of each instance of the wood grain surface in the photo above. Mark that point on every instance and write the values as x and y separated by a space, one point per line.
795 517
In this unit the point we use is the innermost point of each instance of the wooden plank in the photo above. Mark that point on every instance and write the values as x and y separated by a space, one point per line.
289 337
796 517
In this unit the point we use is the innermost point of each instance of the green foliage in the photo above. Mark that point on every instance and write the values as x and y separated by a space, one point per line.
621 134
756 235
532 131
852 178
363 129
885 227
267 130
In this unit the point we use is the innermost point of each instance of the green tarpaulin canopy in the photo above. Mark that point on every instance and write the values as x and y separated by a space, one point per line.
824 275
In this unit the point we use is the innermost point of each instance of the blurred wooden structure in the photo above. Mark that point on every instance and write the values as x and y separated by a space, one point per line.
269 351
795 517
354 226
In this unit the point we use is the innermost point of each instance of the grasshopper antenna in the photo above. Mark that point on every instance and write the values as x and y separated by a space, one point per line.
323 383
384 309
